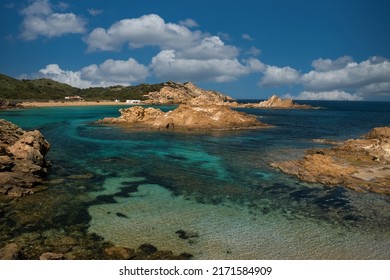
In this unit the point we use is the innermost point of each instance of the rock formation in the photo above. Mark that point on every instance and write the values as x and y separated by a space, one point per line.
359 164
186 117
275 102
178 93
22 162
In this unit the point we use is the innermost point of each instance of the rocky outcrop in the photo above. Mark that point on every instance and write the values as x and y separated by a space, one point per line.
275 102
186 117
5 104
187 93
359 164
22 162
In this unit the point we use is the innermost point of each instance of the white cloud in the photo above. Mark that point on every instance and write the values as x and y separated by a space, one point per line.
324 65
148 30
168 66
189 23
109 73
341 79
326 95
116 71
254 51
352 76
277 76
40 20
247 37
94 12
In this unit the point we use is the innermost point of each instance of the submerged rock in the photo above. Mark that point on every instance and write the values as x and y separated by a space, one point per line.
22 159
359 164
186 117
11 252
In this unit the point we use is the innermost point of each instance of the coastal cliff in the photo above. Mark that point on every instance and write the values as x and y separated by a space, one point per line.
22 162
275 102
358 164
186 117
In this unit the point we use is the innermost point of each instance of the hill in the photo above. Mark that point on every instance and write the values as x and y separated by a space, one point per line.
163 93
46 89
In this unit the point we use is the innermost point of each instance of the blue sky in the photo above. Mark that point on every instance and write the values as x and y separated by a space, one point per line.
335 50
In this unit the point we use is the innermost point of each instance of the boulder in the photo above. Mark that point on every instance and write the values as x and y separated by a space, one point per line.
22 159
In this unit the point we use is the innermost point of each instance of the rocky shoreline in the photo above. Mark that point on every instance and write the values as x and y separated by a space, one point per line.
358 164
186 117
22 159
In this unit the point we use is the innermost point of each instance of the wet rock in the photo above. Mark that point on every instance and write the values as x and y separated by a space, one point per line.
11 252
52 256
119 253
22 159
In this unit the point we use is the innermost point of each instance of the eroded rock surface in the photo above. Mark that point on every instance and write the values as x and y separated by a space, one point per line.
186 117
359 164
22 159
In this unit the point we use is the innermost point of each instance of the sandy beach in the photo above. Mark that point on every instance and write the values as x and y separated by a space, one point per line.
76 103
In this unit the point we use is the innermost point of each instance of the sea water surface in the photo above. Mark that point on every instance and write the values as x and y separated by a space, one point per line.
139 187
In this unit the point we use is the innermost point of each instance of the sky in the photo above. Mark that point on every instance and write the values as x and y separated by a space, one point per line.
248 49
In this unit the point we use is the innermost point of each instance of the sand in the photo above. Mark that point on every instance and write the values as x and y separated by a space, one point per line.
76 103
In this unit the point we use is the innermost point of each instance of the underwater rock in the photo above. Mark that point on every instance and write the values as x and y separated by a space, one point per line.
11 252
359 164
186 117
186 234
119 253
22 159
52 256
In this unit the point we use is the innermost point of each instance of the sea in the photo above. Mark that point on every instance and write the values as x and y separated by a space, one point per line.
211 194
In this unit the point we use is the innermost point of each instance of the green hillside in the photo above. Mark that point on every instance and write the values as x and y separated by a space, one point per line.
46 89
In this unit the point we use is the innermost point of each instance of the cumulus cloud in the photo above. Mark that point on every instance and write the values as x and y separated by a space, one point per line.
352 76
189 22
254 51
167 65
116 71
148 30
340 79
109 73
324 65
278 76
326 95
40 20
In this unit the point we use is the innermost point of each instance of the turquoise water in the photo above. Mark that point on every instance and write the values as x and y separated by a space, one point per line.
139 187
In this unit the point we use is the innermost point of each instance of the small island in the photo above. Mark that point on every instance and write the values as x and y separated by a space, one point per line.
186 117
275 102
358 164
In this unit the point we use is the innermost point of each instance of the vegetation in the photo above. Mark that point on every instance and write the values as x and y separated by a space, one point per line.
46 89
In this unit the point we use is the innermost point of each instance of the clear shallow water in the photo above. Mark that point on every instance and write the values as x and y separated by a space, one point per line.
141 187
